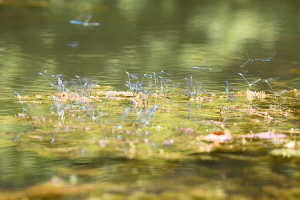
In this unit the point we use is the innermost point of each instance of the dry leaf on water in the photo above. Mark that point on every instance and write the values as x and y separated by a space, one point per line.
218 137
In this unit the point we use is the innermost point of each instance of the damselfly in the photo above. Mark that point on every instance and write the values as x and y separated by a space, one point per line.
86 22
201 66
269 58
248 60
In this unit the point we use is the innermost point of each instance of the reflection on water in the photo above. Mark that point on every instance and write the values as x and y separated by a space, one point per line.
214 178
144 37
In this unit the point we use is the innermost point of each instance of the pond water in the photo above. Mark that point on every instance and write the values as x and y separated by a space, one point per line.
259 39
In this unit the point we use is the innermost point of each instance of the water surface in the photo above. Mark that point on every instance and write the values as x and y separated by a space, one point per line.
145 37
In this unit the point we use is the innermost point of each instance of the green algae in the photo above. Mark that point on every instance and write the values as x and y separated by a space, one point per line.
177 125
118 132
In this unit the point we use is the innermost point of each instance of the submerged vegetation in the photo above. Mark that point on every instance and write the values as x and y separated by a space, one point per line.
155 121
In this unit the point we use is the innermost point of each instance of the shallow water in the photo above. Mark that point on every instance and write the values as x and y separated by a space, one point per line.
146 37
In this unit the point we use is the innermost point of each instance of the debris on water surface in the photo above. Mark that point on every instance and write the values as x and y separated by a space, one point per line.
188 131
168 142
103 143
266 135
286 153
214 122
291 144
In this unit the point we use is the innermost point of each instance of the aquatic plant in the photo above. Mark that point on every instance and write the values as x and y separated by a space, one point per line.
211 125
